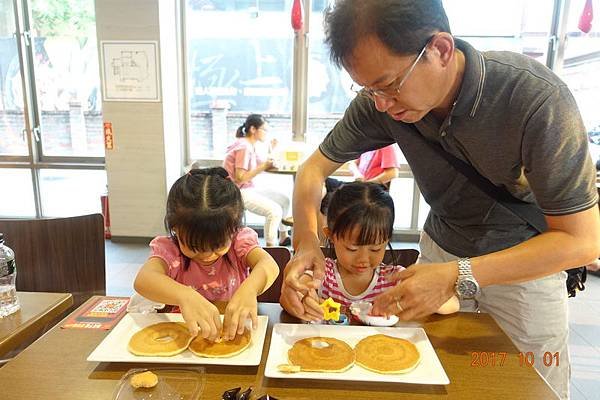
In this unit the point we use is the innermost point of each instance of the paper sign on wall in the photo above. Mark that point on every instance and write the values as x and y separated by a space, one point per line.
130 70
109 139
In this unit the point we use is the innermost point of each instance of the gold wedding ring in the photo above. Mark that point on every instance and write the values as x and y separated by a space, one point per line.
400 309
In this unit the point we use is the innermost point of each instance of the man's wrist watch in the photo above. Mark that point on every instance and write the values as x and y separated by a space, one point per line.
466 286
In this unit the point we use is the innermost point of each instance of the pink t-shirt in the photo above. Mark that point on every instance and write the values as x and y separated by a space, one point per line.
373 163
333 286
240 154
217 281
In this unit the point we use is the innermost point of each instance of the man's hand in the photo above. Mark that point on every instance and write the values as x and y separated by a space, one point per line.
296 285
420 291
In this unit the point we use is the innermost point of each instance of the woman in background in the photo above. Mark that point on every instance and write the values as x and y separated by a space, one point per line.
243 164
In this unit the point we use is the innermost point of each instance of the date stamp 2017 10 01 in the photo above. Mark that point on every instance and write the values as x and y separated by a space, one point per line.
499 358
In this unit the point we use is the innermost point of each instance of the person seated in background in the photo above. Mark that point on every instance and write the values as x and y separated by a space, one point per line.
243 163
377 166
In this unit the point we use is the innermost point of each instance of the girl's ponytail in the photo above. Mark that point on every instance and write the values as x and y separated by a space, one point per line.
241 131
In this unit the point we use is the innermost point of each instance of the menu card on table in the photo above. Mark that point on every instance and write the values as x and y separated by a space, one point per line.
104 313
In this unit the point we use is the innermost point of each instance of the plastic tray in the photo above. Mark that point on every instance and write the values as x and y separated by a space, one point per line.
173 384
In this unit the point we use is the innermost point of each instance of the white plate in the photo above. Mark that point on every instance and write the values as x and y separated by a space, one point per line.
429 371
114 346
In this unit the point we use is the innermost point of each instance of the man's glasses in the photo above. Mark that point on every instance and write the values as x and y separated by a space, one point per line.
393 88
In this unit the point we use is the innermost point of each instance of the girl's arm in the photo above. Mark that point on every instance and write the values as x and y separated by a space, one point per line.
264 270
243 303
386 176
353 167
243 175
200 315
153 283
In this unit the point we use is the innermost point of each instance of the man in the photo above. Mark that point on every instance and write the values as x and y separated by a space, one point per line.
506 115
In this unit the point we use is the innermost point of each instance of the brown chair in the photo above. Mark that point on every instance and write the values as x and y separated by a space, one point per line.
281 255
59 255
404 257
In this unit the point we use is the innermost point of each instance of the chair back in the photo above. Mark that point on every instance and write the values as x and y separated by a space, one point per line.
282 256
404 257
63 255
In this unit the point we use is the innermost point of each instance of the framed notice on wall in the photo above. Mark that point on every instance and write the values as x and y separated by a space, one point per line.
130 70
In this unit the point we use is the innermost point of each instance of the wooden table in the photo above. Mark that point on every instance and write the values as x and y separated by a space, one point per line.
37 309
58 362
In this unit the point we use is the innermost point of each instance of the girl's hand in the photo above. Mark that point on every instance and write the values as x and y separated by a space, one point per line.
242 306
200 315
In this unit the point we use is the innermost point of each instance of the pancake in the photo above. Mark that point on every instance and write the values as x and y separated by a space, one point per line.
386 354
223 348
163 339
321 354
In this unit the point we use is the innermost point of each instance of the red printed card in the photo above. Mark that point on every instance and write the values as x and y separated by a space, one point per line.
104 313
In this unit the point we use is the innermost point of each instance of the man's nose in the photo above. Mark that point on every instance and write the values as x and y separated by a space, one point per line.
382 104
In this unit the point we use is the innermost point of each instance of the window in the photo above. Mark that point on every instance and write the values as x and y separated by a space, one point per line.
581 65
67 78
50 108
521 26
328 86
239 61
13 138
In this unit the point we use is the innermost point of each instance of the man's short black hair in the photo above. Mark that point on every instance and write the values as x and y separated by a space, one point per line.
404 26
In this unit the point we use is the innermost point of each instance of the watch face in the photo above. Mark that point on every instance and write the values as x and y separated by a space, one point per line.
467 288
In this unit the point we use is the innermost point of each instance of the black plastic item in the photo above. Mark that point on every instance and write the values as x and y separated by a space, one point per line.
231 394
246 394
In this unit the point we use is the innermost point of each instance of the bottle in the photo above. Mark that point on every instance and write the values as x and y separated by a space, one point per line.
9 303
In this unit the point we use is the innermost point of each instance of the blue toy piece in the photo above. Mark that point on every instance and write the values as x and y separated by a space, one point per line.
342 321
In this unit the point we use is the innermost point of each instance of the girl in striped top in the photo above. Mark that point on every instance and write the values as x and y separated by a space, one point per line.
360 220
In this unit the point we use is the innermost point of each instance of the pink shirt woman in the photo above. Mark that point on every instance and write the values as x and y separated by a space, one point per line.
374 163
243 164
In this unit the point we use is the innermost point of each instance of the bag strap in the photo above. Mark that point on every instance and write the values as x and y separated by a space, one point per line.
528 212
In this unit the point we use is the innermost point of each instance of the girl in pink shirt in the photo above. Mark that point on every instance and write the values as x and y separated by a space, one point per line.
208 256
359 227
243 164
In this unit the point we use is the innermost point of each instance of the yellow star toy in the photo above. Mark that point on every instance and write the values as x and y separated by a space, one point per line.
331 309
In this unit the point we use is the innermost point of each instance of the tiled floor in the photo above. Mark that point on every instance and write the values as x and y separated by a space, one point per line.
123 261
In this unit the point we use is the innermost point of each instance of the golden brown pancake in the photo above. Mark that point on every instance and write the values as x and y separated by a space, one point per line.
221 348
321 354
386 354
163 339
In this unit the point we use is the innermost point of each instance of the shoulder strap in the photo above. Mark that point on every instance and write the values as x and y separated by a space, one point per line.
528 212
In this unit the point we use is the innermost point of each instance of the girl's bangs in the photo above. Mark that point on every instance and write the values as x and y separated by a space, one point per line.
374 225
202 234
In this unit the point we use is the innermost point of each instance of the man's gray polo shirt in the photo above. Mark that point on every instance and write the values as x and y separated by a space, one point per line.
515 121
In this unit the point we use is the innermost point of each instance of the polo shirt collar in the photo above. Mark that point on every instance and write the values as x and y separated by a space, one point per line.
471 89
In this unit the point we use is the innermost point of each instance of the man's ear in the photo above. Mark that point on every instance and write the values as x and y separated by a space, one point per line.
327 232
443 44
